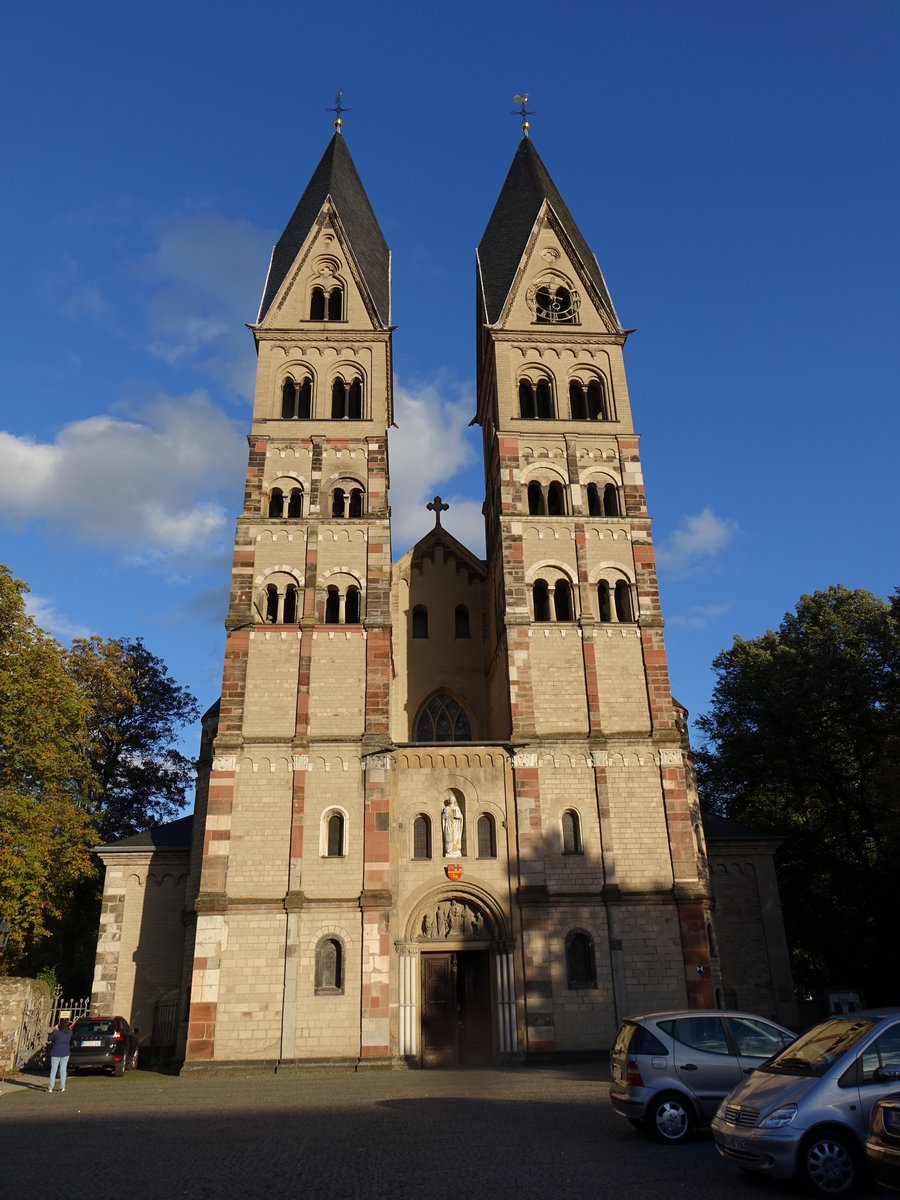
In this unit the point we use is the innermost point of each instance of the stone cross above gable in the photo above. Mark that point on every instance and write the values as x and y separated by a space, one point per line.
437 506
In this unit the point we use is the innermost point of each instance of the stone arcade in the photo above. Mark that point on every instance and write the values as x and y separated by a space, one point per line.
445 811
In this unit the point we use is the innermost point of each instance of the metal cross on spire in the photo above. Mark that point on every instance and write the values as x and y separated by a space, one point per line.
338 108
523 112
437 506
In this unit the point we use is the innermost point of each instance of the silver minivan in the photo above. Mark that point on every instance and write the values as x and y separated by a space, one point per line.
669 1071
806 1111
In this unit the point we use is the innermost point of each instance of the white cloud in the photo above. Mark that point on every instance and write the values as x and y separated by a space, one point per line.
698 617
45 614
429 448
702 536
150 486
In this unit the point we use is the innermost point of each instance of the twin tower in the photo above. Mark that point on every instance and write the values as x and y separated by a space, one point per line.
445 814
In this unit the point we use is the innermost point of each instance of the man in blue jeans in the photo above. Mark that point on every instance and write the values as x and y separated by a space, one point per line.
59 1041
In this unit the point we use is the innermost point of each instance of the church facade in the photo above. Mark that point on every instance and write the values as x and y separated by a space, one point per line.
445 811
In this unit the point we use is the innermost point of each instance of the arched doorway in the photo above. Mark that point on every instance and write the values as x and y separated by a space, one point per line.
457 997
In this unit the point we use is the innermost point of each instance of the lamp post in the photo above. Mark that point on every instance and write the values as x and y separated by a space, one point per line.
4 935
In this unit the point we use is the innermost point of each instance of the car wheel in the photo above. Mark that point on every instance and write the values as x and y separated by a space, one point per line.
669 1119
132 1062
829 1164
119 1069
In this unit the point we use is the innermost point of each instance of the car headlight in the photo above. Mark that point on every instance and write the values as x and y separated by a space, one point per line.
780 1117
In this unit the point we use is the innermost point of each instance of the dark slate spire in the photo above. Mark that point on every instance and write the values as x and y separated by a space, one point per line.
336 176
500 251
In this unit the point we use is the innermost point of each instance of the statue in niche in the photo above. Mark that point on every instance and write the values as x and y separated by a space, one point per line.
452 826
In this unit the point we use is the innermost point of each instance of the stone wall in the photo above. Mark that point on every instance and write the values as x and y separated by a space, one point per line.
25 1004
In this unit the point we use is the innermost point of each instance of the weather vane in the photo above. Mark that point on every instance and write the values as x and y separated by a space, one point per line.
523 112
339 108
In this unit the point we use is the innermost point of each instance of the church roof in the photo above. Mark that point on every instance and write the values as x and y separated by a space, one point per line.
439 539
175 835
528 185
336 176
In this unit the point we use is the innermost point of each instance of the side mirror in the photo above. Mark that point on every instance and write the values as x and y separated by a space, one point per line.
888 1073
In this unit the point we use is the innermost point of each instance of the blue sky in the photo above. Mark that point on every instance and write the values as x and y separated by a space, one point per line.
733 166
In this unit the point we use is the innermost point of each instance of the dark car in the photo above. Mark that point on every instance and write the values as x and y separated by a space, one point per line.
107 1042
669 1071
883 1146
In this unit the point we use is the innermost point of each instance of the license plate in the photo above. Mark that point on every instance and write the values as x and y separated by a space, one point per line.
733 1142
92 1042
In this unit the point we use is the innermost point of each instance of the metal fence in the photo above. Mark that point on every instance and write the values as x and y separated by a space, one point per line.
165 1030
73 1008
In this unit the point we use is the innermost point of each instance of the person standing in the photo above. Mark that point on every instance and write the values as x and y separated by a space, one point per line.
59 1040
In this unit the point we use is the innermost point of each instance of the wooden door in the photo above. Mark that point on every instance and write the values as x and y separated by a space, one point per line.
440 1016
474 995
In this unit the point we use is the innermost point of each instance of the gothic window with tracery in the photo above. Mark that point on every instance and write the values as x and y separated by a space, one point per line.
443 719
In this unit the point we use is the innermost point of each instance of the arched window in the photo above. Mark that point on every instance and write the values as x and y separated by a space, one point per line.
604 601
338 400
329 967
420 621
337 502
577 401
581 966
296 399
332 607
356 502
271 604
610 501
595 504
556 500
335 304
536 507
596 401
290 606
334 846
443 720
461 621
527 406
351 606
562 601
317 305
276 503
354 401
623 602
487 836
571 833
295 504
544 399
421 837
540 598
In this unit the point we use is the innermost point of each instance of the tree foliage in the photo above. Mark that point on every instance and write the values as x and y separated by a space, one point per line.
45 826
803 739
87 754
139 777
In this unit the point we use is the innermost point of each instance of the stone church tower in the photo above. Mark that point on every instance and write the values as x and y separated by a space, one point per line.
445 812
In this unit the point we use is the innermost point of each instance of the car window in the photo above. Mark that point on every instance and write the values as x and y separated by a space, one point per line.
94 1026
820 1047
645 1042
702 1033
757 1039
884 1052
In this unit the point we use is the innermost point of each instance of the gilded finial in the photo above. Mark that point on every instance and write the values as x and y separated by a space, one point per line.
338 108
523 112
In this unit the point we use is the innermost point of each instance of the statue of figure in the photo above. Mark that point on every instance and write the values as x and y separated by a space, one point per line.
452 826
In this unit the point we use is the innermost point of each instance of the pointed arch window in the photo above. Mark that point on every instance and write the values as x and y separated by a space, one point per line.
443 719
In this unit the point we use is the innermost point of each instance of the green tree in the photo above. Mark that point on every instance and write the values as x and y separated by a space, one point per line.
45 826
803 738
139 777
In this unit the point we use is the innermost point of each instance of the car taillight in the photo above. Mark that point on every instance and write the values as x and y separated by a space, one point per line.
117 1036
634 1074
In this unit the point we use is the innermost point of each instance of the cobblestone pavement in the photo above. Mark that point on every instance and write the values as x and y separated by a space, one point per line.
328 1135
